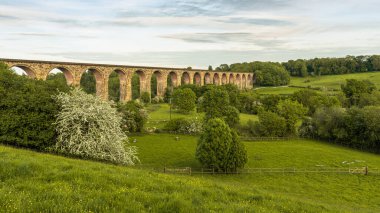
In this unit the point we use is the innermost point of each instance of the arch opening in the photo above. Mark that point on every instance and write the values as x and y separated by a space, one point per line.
91 81
231 79
61 75
238 80
224 78
207 79
172 80
156 84
117 83
138 84
216 80
24 70
250 83
197 80
185 79
244 81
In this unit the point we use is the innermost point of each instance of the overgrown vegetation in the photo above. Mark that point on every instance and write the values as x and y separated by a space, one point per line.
89 127
27 110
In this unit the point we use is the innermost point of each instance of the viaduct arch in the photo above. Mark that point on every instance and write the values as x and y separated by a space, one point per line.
73 73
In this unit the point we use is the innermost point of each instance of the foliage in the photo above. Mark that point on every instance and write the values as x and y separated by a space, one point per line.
184 126
314 100
219 148
333 66
291 111
88 82
355 127
89 127
354 88
271 74
214 103
145 97
114 87
184 100
27 110
249 102
270 124
134 116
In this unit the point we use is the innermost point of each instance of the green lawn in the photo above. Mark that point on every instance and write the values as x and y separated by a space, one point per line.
159 114
35 182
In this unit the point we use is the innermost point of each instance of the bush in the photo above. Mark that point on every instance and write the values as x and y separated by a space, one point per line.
145 97
184 100
27 110
184 126
270 125
89 127
134 116
219 148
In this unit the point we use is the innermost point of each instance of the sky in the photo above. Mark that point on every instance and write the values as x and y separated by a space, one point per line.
182 33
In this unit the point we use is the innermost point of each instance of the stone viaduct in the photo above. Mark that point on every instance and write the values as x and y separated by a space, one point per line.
73 72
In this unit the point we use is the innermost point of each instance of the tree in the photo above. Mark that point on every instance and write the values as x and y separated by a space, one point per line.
210 67
134 116
270 125
89 127
27 109
214 103
184 100
354 88
218 147
292 111
145 97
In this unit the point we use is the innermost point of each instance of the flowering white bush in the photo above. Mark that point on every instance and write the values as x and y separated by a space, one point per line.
89 127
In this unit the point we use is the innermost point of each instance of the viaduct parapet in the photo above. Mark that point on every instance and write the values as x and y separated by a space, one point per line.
73 72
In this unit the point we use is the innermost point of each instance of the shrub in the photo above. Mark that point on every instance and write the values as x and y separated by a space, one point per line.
89 127
27 110
219 148
270 125
145 97
184 126
184 100
134 116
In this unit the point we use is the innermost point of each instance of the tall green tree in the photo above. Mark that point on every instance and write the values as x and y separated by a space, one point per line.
219 148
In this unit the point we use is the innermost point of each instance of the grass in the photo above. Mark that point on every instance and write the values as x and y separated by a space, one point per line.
159 115
327 82
35 182
335 81
158 150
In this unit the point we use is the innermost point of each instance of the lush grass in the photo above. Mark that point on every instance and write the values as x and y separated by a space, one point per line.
35 182
159 114
335 81
163 149
326 82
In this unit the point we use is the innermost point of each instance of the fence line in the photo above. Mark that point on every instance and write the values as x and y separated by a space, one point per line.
327 170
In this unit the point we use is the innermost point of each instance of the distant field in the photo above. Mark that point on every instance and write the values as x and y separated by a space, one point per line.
159 114
35 182
324 82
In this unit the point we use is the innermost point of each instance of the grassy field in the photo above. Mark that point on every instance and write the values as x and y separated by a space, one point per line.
327 82
159 114
34 182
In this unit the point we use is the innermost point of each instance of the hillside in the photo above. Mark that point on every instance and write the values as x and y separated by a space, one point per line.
329 82
42 182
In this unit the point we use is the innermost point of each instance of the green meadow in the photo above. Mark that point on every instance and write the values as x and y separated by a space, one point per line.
37 182
326 82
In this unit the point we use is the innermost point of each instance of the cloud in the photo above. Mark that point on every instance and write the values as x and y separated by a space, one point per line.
222 38
257 21
8 17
